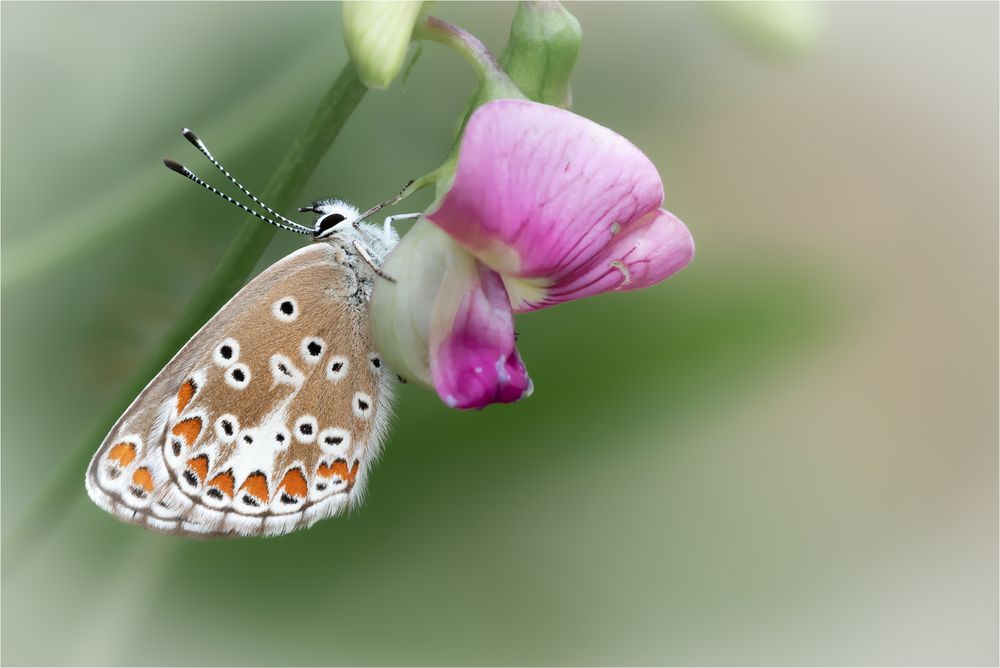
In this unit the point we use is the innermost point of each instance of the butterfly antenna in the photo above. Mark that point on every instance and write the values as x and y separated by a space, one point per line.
184 171
378 207
200 145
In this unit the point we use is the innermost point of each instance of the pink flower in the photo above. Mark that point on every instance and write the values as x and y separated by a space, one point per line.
446 322
545 207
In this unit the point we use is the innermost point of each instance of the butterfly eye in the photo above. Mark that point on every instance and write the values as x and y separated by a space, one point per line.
362 405
326 222
227 352
312 349
285 309
238 376
336 368
305 429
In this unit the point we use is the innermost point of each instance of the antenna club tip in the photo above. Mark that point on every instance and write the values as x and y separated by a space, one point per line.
190 136
174 165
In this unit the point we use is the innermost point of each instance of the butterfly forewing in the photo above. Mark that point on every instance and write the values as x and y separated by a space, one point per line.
267 420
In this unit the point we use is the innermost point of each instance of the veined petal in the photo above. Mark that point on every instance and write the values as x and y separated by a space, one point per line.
446 322
539 191
654 247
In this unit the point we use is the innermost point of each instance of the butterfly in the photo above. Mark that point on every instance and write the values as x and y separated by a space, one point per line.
271 417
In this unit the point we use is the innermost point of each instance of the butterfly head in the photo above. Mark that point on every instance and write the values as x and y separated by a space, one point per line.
337 218
334 215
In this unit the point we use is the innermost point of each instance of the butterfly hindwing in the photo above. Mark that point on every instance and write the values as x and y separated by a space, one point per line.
267 420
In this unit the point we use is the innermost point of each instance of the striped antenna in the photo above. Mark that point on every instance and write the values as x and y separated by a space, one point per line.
184 171
200 145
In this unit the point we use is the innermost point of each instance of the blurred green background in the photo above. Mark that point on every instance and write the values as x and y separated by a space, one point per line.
785 454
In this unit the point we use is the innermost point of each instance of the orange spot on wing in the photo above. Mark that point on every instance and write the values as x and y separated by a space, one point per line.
123 453
199 465
224 482
185 394
188 430
339 468
143 478
256 485
294 484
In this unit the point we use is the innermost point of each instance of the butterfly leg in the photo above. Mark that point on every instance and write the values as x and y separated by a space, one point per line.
387 232
363 252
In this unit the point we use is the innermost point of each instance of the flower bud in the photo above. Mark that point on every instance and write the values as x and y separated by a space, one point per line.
377 34
542 50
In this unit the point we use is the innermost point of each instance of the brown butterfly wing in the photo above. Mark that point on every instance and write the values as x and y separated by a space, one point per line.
267 420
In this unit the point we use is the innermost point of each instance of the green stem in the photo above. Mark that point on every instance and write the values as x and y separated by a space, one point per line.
492 78
494 83
285 185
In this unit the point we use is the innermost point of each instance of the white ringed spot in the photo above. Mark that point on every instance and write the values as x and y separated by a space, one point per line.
284 372
305 429
312 349
227 353
226 428
362 405
334 438
285 309
336 367
238 376
375 363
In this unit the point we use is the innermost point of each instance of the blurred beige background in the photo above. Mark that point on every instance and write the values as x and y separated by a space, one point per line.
787 454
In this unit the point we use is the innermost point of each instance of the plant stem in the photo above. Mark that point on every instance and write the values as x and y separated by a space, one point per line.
285 185
494 83
492 78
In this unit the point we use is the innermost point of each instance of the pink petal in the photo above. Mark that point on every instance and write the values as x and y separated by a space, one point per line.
476 363
446 322
650 250
539 192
